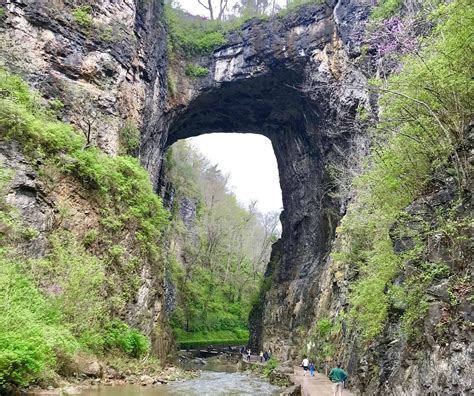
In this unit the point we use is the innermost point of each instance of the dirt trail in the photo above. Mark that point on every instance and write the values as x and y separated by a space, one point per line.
319 385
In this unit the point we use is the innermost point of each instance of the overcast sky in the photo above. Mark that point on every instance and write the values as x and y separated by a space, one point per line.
250 161
193 6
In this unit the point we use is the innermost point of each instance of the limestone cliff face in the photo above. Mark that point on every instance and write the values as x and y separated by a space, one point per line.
107 70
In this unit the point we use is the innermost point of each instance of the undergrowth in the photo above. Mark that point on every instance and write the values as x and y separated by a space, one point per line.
191 36
206 338
67 301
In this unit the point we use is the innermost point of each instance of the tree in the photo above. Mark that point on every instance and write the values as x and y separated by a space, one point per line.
86 115
210 8
225 259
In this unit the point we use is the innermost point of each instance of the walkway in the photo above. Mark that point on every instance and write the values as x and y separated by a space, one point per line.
319 385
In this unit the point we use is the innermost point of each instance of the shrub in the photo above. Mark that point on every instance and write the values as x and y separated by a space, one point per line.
191 36
119 335
31 333
324 327
385 9
196 71
82 16
129 137
270 366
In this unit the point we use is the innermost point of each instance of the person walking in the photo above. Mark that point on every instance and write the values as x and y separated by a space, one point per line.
337 376
305 365
261 357
249 353
311 369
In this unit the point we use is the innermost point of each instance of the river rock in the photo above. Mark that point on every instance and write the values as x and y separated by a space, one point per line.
294 390
146 380
91 368
71 390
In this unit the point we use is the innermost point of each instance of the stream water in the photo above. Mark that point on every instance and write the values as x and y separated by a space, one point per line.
214 379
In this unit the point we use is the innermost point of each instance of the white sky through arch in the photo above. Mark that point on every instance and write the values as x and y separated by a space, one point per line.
250 161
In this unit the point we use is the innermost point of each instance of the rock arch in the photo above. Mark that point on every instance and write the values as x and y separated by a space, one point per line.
258 84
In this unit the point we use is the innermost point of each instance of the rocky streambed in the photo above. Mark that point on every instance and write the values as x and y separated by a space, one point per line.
194 376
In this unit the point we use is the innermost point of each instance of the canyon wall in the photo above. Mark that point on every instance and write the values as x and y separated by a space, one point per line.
295 79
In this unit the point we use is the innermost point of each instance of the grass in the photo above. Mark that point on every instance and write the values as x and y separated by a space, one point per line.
202 339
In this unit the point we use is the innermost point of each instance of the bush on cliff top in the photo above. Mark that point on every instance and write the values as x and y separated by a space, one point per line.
192 36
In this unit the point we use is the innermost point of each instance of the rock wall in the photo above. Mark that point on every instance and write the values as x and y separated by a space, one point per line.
107 71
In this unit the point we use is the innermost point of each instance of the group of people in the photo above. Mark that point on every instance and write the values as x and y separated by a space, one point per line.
308 365
264 356
337 375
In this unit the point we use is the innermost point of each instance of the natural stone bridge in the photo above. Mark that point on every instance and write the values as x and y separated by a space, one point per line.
293 79
289 79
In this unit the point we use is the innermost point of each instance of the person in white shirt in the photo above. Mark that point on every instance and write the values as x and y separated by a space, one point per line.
305 365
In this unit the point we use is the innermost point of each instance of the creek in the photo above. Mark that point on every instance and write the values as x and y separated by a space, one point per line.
215 378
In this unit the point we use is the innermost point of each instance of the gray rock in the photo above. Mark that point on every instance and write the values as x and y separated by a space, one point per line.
441 291
71 390
294 390
146 380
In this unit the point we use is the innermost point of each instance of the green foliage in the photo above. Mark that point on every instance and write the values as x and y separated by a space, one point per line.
90 237
129 137
320 341
75 280
82 16
107 34
171 85
324 327
271 365
196 70
122 184
293 4
220 337
119 335
386 9
223 262
425 111
55 105
31 333
193 36
59 306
